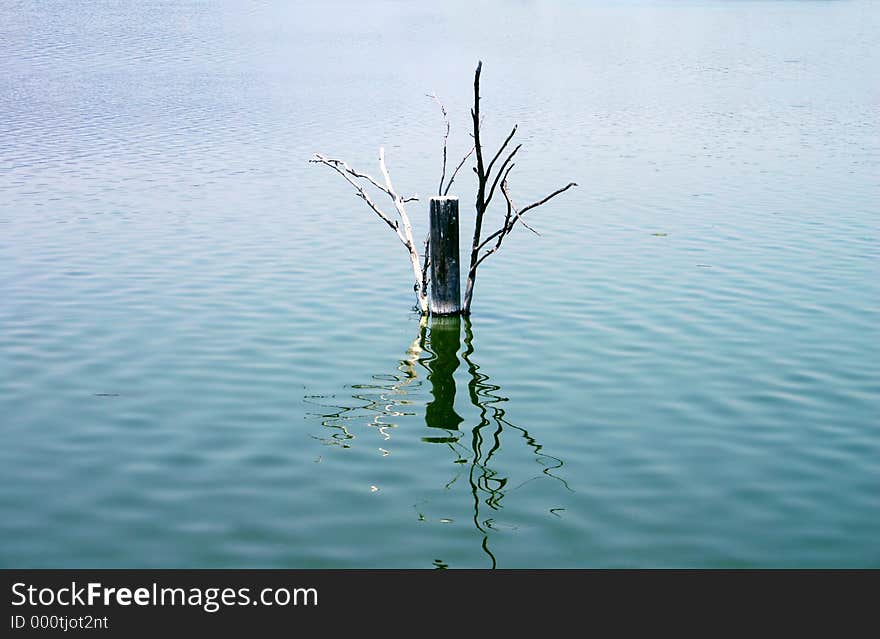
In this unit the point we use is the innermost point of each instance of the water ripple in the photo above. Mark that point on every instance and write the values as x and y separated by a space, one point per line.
205 352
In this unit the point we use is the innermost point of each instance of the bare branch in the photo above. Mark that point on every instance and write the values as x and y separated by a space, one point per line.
480 205
507 226
492 236
510 206
475 114
513 216
500 151
350 171
399 204
523 222
504 230
485 255
434 97
402 228
347 172
388 188
455 172
501 173
548 198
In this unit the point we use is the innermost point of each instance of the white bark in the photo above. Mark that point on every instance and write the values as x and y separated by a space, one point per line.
401 227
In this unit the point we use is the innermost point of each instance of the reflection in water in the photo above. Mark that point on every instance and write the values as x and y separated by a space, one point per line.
388 399
442 364
376 403
487 486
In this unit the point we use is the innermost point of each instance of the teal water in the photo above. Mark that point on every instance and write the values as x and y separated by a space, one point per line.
207 352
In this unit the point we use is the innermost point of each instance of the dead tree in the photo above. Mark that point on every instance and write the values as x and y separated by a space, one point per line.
487 181
401 226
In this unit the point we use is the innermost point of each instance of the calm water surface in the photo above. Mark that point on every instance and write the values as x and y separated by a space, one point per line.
207 353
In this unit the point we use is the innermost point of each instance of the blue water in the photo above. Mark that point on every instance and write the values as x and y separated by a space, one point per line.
208 355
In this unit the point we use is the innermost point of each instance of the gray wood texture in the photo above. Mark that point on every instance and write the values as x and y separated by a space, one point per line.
445 269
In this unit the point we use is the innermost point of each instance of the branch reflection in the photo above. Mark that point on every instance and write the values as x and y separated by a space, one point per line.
388 400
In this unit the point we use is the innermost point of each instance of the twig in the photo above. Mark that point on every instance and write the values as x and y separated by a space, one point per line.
346 171
501 150
548 198
455 172
320 158
434 97
505 230
523 222
511 220
501 173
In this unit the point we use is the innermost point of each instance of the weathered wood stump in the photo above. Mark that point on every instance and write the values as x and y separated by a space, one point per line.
445 274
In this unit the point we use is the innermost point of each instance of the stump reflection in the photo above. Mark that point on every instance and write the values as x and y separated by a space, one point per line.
390 401
445 340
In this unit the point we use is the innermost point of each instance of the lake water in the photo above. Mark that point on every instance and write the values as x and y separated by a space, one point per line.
208 356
